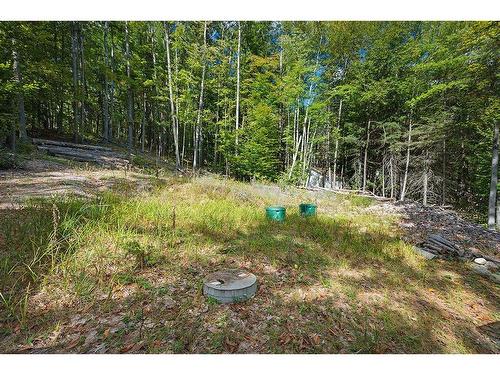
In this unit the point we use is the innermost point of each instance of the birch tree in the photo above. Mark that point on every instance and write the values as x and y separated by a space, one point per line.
492 202
175 128
237 114
197 132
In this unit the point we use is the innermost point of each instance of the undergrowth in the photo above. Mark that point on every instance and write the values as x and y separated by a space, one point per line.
72 250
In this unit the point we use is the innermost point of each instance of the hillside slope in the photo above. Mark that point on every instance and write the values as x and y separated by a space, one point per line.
119 269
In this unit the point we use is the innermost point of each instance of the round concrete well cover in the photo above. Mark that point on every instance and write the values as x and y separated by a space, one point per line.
231 285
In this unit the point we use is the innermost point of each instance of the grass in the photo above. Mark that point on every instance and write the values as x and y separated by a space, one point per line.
123 273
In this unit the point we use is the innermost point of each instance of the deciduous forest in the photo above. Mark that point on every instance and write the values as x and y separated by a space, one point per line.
249 187
407 110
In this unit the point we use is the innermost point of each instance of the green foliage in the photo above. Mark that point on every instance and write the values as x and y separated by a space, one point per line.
258 154
7 160
441 76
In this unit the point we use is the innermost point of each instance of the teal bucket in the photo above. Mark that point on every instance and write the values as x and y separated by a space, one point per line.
276 213
307 209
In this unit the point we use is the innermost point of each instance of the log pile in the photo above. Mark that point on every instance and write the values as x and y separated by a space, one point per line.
49 142
441 247
103 156
420 222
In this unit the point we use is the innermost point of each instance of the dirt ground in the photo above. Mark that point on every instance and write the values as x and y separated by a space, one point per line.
45 178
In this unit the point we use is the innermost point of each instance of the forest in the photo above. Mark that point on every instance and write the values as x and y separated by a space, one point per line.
249 187
406 110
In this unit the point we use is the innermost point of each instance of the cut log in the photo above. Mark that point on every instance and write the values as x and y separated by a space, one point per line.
439 245
38 141
105 158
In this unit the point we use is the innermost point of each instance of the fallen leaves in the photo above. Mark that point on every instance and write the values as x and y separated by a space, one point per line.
315 339
132 347
285 338
73 343
106 333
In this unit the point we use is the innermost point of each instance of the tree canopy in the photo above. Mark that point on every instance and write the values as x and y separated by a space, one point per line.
403 109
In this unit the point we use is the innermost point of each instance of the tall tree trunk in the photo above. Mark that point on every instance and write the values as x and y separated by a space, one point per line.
177 104
443 188
383 176
309 155
83 84
498 214
328 157
341 183
237 115
494 181
336 147
391 174
175 129
425 179
154 109
295 154
143 121
366 154
130 115
305 143
197 134
74 58
106 88
23 136
112 87
405 178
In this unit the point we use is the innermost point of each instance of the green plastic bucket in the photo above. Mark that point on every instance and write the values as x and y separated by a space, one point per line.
307 209
276 213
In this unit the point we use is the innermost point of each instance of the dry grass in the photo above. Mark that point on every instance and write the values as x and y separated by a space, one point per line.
123 273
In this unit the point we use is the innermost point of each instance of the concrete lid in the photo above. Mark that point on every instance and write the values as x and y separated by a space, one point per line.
231 279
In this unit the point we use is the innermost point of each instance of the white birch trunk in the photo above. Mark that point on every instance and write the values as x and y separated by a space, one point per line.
494 181
175 129
237 115
335 155
405 178
366 154
197 131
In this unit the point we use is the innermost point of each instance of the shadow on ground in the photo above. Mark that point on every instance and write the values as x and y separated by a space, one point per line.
325 286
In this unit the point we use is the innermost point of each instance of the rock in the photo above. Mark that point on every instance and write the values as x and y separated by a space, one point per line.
480 261
492 330
480 269
425 254
484 271
492 266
